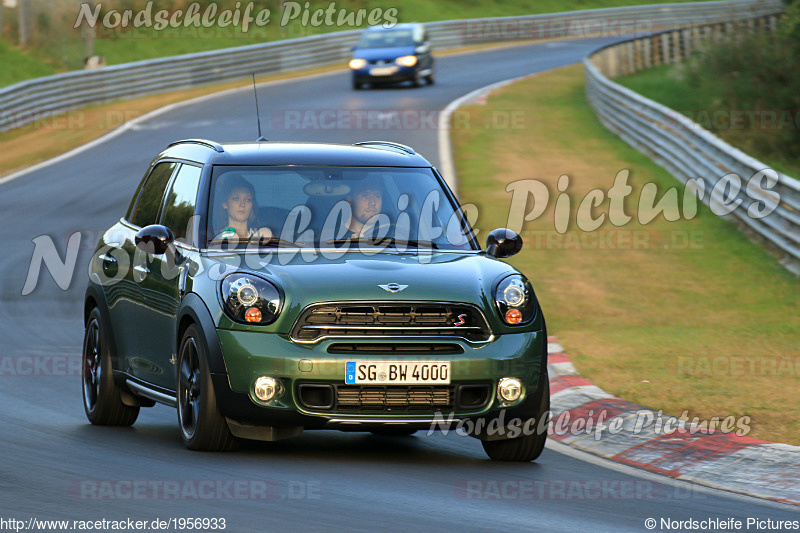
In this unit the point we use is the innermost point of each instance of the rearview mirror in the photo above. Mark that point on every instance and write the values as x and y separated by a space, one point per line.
502 243
154 239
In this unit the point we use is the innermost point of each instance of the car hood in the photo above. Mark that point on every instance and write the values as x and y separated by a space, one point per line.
390 54
439 276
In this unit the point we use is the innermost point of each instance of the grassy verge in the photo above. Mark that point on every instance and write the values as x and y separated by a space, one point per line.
56 46
19 65
681 316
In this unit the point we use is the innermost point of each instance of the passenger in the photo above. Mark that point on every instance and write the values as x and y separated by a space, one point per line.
239 204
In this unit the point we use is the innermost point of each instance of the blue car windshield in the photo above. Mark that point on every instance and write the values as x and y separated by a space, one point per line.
323 207
386 39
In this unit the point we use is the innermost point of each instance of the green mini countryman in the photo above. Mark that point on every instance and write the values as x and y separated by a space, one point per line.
268 288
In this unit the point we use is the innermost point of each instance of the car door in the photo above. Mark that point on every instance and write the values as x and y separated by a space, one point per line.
122 296
159 285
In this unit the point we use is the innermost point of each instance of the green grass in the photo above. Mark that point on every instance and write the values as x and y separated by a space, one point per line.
56 47
19 65
630 316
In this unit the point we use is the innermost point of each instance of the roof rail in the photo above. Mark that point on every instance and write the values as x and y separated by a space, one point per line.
209 144
383 145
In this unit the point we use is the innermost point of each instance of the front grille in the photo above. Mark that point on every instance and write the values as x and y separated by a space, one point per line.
391 319
394 399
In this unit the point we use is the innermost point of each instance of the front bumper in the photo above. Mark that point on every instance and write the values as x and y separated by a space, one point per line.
249 355
390 74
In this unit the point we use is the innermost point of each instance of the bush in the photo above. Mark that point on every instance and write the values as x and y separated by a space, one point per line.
755 73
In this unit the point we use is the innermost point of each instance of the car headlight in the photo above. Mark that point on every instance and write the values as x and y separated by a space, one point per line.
250 299
356 64
406 61
515 300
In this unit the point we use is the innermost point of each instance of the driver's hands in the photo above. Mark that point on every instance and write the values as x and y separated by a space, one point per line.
264 234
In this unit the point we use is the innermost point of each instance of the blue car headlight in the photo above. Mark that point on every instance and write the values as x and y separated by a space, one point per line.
357 64
515 300
250 299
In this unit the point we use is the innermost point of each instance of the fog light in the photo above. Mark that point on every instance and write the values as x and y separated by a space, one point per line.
266 388
509 389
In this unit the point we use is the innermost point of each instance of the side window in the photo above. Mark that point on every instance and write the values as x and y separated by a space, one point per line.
146 211
180 203
132 205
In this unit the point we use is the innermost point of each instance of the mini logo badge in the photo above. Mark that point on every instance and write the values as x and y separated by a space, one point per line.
462 319
393 287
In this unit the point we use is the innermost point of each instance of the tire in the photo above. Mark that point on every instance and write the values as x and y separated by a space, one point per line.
528 447
356 85
201 425
101 396
429 79
416 81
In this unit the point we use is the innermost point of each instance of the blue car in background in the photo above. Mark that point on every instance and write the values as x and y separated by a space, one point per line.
392 55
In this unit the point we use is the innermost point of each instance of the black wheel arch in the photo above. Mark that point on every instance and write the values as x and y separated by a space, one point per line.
96 298
193 310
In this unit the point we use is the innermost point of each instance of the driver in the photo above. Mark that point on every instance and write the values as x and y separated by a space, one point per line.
366 202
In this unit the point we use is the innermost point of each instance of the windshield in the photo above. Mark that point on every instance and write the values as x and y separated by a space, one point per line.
324 207
386 39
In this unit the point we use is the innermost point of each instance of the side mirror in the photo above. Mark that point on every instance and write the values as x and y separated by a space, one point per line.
422 48
154 239
502 243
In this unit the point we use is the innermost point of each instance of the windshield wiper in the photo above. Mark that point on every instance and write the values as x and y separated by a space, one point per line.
272 241
384 241
275 241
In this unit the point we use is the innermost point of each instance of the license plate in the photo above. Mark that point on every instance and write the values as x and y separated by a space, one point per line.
382 71
397 372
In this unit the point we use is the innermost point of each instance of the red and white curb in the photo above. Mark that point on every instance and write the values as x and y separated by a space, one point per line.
596 422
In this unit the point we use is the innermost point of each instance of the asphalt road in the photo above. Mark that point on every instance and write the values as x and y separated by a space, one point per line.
55 465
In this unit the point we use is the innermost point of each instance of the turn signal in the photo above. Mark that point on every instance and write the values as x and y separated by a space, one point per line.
513 316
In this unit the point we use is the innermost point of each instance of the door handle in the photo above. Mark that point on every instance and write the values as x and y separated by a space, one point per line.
109 264
107 260
140 272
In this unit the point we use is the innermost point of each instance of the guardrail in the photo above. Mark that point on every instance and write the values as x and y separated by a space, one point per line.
687 150
32 100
